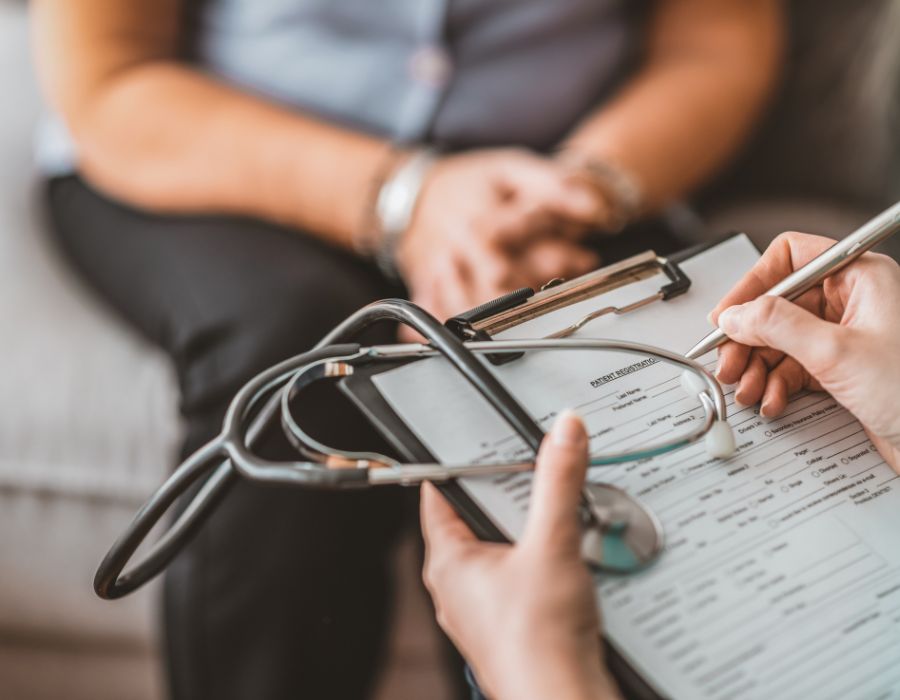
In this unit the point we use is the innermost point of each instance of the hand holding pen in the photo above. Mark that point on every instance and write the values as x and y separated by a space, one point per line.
842 336
811 273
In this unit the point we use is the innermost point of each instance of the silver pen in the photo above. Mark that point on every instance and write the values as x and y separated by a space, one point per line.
842 253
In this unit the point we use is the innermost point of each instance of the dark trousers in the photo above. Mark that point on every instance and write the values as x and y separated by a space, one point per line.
283 593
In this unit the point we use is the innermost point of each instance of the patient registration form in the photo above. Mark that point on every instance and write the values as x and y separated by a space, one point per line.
781 575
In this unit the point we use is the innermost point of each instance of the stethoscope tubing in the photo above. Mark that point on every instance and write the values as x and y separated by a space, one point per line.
230 455
387 471
113 581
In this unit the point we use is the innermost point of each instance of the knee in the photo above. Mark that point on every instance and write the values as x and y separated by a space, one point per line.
265 330
297 320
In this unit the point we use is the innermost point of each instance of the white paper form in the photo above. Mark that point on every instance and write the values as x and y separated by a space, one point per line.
781 577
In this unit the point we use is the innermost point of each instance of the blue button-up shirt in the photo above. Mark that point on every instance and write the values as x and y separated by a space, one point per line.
455 73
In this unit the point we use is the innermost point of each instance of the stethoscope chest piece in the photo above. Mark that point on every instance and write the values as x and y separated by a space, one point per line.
624 536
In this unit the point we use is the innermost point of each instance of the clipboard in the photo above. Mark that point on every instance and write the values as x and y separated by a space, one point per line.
502 314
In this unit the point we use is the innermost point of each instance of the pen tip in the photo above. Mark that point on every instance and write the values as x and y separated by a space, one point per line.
711 341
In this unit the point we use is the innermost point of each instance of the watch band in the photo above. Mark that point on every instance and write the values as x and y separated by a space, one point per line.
395 205
623 192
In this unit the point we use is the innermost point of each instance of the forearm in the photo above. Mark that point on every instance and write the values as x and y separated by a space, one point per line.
710 67
165 137
158 133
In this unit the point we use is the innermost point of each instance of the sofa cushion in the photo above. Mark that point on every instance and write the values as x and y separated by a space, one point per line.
88 412
86 407
830 133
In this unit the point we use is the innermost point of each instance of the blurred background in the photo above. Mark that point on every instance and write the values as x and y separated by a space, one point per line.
89 410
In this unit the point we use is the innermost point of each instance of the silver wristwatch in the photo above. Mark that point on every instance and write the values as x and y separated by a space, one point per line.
395 205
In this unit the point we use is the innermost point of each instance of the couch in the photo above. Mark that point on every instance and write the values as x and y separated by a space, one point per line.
87 428
826 156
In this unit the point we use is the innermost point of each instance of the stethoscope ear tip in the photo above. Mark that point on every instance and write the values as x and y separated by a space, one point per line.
719 438
720 441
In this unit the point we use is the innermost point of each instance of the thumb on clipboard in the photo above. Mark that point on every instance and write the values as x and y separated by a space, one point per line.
524 615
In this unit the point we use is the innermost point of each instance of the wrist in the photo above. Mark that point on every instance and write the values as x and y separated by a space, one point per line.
566 677
366 235
597 686
392 203
619 188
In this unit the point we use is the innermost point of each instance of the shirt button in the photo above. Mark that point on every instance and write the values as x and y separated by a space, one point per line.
431 65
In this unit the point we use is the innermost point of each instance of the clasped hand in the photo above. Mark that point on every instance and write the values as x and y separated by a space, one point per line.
491 221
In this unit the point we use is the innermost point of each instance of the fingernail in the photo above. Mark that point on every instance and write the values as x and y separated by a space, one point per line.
765 409
709 319
730 319
568 430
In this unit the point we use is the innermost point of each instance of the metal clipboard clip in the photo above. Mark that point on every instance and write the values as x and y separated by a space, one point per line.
524 304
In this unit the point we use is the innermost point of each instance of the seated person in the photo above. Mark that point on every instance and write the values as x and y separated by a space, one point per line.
237 176
524 615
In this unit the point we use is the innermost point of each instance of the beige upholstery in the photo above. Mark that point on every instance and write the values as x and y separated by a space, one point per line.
827 155
87 426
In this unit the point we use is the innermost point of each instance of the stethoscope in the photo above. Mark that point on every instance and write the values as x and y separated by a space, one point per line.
621 535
